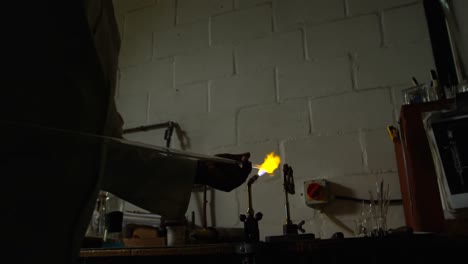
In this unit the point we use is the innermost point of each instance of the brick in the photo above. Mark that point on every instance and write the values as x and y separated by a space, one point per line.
181 39
138 29
406 24
273 121
463 46
342 37
164 14
204 65
249 3
324 157
208 131
190 11
395 66
277 49
380 151
243 90
293 12
352 111
133 107
315 79
241 25
136 49
173 104
367 6
459 8
151 76
358 186
157 17
124 6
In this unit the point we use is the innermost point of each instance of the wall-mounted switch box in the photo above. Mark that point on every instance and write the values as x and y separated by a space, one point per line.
316 192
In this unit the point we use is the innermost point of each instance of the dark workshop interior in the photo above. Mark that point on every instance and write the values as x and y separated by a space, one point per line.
235 131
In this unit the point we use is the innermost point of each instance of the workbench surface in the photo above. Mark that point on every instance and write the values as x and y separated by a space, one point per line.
368 250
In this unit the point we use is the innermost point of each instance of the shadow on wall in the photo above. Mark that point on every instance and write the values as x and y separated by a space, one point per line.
340 206
184 139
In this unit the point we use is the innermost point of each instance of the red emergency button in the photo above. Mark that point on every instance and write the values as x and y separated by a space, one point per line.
314 191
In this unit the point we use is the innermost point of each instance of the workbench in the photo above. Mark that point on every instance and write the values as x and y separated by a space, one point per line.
413 248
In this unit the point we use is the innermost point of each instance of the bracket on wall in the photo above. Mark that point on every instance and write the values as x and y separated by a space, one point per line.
170 125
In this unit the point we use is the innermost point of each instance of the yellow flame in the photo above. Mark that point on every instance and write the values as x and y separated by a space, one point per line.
270 164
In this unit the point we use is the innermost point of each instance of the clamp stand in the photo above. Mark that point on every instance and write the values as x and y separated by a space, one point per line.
252 233
290 230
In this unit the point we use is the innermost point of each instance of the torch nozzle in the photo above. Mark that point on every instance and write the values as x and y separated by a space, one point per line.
252 179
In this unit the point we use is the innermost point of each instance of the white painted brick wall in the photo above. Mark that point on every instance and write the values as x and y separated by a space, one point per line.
249 3
173 104
142 46
208 131
367 6
189 10
233 93
278 49
204 65
133 107
322 157
358 186
293 12
123 6
321 78
241 25
380 151
139 27
352 111
180 39
164 13
394 66
405 24
315 81
339 38
151 76
460 8
273 121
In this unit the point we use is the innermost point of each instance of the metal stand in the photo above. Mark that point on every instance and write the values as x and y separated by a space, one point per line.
170 125
252 233
290 230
